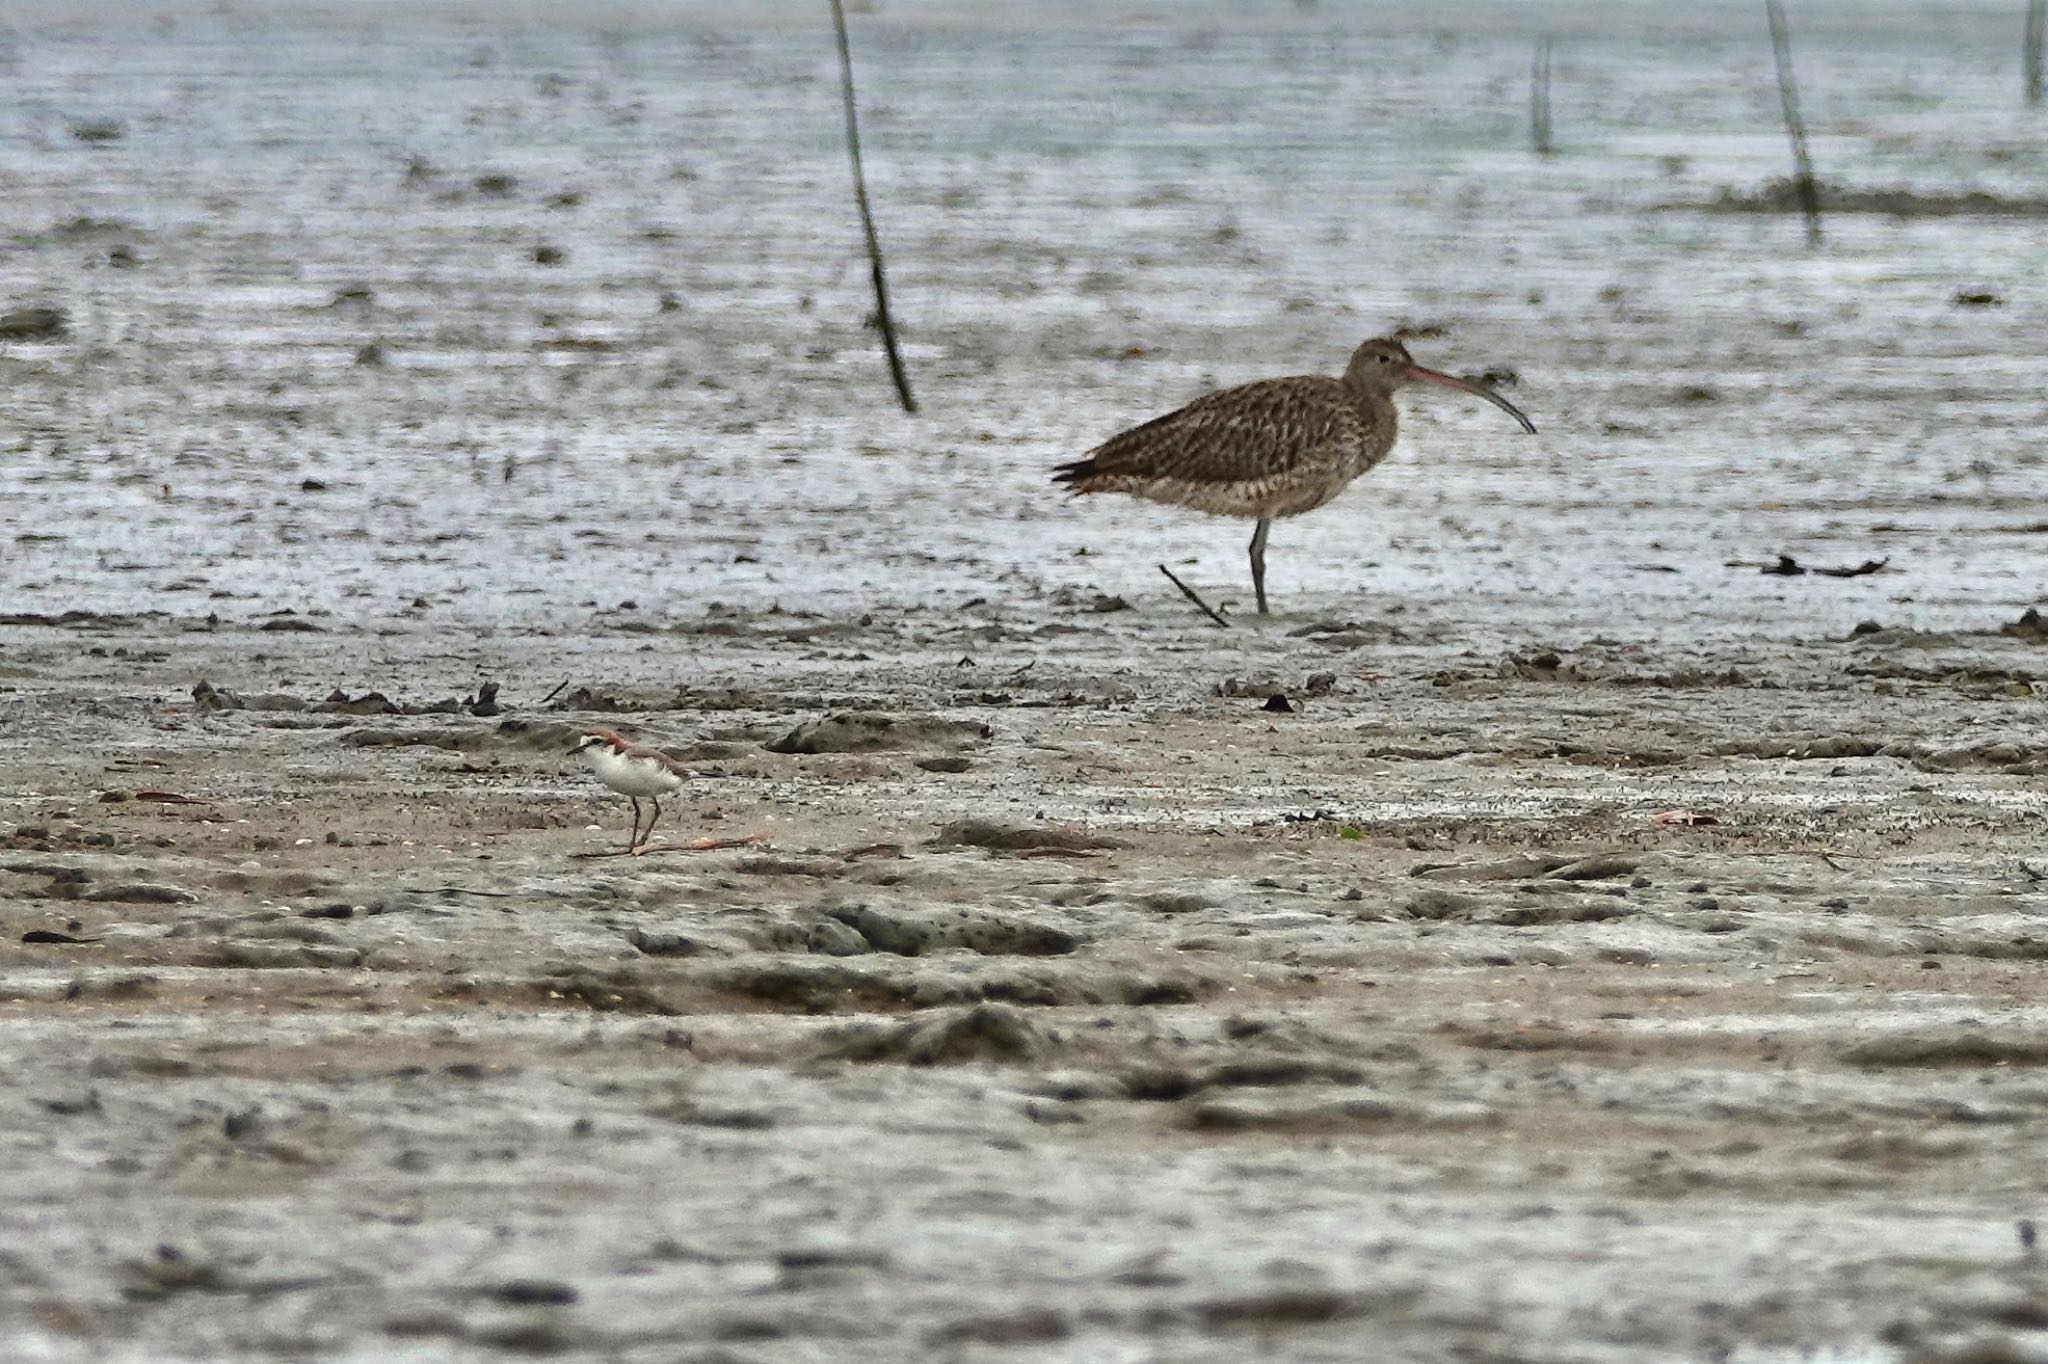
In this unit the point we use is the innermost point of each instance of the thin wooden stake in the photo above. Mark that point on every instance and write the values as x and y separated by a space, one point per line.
1795 126
2037 38
1189 593
1539 99
867 217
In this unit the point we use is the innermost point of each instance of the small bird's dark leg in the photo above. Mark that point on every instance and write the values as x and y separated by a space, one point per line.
1259 561
633 839
648 837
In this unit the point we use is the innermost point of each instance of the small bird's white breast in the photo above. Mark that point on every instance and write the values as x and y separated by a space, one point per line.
631 776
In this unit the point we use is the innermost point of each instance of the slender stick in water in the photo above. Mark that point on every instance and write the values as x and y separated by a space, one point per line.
2037 37
867 217
1539 99
1795 126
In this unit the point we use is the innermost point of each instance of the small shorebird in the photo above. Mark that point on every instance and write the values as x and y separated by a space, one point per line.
634 771
638 772
1275 448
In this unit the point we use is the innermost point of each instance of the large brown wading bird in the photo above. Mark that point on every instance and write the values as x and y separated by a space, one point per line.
1275 448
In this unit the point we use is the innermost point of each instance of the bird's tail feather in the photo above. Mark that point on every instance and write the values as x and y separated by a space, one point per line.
1078 476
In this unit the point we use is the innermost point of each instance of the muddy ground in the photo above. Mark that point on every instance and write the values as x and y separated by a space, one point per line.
1602 949
1155 1024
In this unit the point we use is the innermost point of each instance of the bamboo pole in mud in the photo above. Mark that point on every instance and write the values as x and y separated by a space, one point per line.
1795 126
2031 60
1539 99
867 216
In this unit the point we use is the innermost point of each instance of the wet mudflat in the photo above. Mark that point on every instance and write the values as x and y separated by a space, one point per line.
1165 1022
1602 950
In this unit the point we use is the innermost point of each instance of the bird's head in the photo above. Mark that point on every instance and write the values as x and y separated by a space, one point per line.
1383 365
597 739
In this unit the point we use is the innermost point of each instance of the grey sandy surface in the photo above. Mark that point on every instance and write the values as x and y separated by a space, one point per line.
1077 1002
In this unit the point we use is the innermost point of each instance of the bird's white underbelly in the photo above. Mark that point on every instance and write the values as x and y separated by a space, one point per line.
634 776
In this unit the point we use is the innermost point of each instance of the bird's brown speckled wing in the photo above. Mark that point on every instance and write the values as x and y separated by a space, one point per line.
1256 433
643 751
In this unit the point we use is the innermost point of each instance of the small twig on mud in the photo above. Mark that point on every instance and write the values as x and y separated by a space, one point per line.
702 845
1862 570
559 689
1826 855
1189 593
1789 567
465 890
697 845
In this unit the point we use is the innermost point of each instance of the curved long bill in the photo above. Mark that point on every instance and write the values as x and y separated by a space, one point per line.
1430 376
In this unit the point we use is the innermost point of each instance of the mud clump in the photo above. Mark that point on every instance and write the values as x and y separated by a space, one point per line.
1989 756
141 893
538 736
1961 1048
879 982
989 934
810 932
995 1033
208 697
2031 625
1295 1307
874 732
1524 868
813 987
666 943
32 324
1032 1326
975 833
1337 1113
1783 196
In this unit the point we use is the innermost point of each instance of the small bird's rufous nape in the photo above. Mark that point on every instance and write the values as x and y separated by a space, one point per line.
1270 449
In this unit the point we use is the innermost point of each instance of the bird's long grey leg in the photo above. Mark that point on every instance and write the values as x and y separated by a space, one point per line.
633 839
1259 561
648 837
